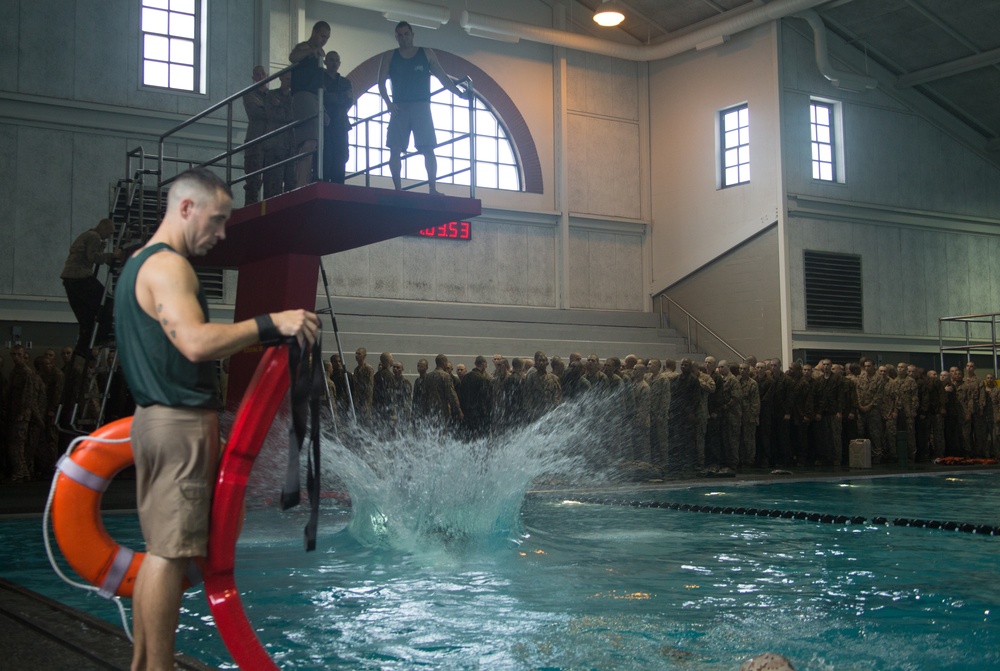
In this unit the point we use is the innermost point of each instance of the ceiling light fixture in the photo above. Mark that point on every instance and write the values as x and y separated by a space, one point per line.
609 14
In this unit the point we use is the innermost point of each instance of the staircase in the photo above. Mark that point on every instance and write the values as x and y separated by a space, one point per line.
413 330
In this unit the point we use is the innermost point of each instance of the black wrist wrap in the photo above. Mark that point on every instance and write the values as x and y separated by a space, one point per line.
267 332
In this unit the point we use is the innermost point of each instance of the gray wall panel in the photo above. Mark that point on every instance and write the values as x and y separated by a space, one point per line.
37 259
102 66
8 189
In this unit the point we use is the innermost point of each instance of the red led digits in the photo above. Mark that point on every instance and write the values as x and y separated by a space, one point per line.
453 230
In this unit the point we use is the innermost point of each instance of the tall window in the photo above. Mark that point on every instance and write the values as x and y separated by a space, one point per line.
821 131
497 166
173 38
734 126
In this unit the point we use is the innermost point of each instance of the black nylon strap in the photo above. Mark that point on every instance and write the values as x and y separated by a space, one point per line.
307 385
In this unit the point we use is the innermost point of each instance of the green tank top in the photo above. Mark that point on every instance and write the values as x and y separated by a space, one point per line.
156 371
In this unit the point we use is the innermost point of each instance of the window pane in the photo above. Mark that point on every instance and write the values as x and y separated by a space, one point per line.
508 178
186 6
732 139
486 175
745 116
182 25
812 114
154 21
486 149
744 136
826 153
161 4
823 134
506 155
731 158
486 124
732 174
442 117
730 121
182 51
155 74
823 115
182 77
463 149
745 173
826 172
815 151
461 120
815 170
744 155
156 47
445 166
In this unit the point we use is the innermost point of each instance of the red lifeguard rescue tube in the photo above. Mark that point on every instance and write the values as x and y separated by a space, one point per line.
253 419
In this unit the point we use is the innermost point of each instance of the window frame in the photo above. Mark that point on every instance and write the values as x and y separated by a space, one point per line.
197 44
741 147
836 127
447 155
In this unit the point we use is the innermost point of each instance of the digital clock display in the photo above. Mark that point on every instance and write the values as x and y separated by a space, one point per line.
453 230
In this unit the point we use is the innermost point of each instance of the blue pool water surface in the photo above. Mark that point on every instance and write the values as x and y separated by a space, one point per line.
590 586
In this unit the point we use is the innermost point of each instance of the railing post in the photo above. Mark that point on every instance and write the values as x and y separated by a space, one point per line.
321 112
472 137
229 145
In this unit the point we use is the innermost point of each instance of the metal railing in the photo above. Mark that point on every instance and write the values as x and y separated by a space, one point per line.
695 327
225 158
985 342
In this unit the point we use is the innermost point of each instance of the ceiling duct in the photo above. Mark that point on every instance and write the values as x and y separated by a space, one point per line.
842 80
416 13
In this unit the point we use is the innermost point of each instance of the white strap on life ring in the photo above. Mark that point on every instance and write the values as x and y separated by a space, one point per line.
78 473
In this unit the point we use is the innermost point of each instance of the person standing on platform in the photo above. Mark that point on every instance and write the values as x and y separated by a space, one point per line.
168 348
307 82
338 98
253 158
409 68
281 178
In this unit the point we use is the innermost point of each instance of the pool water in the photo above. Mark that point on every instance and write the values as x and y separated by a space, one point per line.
590 586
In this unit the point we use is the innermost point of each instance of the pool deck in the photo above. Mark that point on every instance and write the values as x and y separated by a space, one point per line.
39 634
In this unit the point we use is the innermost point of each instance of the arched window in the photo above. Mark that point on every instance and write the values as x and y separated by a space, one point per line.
506 156
497 166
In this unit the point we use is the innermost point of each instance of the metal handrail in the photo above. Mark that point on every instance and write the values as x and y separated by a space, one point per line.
231 150
692 318
991 342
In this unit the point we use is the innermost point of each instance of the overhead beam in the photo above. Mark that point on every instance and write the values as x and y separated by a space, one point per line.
949 69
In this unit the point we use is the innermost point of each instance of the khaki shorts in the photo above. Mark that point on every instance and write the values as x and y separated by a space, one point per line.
415 117
176 459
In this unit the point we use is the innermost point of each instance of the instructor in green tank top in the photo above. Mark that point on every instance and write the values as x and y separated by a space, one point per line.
167 348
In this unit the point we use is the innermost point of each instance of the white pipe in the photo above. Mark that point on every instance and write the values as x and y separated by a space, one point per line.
417 13
842 80
505 29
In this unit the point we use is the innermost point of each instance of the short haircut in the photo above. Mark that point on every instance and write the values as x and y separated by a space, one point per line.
403 24
320 24
202 179
440 360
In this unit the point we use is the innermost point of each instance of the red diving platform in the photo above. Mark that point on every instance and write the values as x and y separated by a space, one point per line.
277 244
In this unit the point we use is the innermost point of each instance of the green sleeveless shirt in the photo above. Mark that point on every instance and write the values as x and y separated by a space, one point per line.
156 371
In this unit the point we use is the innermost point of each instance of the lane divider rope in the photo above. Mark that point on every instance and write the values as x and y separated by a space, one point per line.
983 529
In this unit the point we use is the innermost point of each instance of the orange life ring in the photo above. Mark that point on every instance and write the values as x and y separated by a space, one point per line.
84 475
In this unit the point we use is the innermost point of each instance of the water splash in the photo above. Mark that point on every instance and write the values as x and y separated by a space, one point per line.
427 491
421 490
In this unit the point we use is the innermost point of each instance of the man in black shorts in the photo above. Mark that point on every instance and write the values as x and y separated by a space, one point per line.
167 348
409 68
